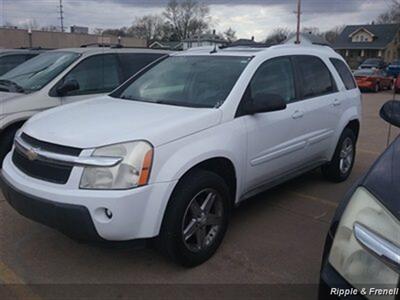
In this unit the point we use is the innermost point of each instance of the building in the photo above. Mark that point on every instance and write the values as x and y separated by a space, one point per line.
307 39
202 40
174 46
79 29
359 42
21 38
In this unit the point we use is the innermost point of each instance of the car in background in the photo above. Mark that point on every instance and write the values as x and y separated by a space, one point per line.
64 76
394 69
362 249
170 152
373 80
377 63
397 85
10 58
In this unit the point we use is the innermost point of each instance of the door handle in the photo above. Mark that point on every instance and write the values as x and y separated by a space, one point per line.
337 102
297 114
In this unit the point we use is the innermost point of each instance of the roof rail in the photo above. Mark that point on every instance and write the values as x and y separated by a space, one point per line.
102 45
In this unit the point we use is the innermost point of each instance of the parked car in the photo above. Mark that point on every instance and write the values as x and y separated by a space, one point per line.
373 80
397 84
370 63
10 58
362 248
60 77
171 151
394 69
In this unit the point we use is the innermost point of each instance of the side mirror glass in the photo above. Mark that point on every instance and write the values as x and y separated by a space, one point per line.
262 103
390 112
67 86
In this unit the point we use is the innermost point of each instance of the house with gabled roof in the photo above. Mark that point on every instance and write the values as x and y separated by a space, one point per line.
359 42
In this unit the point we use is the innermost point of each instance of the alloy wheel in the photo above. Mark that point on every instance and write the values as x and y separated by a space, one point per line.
346 156
202 220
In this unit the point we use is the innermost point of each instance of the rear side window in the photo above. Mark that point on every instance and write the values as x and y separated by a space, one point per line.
131 63
344 72
316 78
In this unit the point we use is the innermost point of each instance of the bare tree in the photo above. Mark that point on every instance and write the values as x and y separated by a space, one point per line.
187 17
230 34
392 15
149 28
311 30
278 35
332 34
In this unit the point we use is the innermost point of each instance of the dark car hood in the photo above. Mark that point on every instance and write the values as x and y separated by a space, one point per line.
383 179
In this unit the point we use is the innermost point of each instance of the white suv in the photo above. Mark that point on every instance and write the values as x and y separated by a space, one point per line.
170 152
64 76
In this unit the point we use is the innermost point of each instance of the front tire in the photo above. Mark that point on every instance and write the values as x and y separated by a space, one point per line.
339 169
6 142
196 219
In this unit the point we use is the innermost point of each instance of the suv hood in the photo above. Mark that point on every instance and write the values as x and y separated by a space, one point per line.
105 120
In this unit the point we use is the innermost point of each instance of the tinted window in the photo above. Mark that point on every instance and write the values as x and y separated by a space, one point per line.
9 62
195 81
96 74
344 73
132 63
315 75
274 77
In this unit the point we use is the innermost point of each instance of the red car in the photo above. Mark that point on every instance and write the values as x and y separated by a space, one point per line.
373 80
397 84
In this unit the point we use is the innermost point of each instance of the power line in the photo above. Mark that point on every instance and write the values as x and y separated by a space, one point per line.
61 16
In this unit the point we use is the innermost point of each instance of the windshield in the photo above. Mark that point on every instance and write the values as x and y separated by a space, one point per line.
37 72
194 81
372 61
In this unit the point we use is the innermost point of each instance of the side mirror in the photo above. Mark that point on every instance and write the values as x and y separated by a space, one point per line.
262 103
390 112
67 86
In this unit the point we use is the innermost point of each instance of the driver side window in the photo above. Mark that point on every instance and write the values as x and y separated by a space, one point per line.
95 75
275 77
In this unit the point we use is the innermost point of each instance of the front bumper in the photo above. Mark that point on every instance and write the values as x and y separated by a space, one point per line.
136 213
72 220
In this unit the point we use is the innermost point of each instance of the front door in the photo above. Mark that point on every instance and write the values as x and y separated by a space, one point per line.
276 140
96 75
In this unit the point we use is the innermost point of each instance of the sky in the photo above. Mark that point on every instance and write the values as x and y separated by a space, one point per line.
248 18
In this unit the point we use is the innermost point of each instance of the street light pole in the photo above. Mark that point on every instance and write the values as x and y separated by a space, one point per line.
298 21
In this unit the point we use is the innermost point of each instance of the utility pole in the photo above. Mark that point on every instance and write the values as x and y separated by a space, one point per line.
61 16
298 12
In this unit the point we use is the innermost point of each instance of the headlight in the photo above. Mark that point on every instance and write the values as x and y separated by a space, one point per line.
354 260
133 171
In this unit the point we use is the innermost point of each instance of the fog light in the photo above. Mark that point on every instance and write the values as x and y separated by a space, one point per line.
108 213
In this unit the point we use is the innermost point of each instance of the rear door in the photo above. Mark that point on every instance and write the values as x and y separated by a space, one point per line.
322 105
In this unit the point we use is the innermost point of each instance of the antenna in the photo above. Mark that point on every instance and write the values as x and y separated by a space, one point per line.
298 12
61 11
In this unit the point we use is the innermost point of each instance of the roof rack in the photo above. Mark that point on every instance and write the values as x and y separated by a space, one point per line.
102 45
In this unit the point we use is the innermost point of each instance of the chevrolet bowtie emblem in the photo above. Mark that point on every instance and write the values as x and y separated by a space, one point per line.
31 154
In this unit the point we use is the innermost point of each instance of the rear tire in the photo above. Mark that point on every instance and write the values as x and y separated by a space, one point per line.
190 236
339 169
6 142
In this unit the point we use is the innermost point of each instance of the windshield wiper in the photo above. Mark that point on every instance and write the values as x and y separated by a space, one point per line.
186 104
12 86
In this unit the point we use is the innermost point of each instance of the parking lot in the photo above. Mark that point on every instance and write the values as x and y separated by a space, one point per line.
275 238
